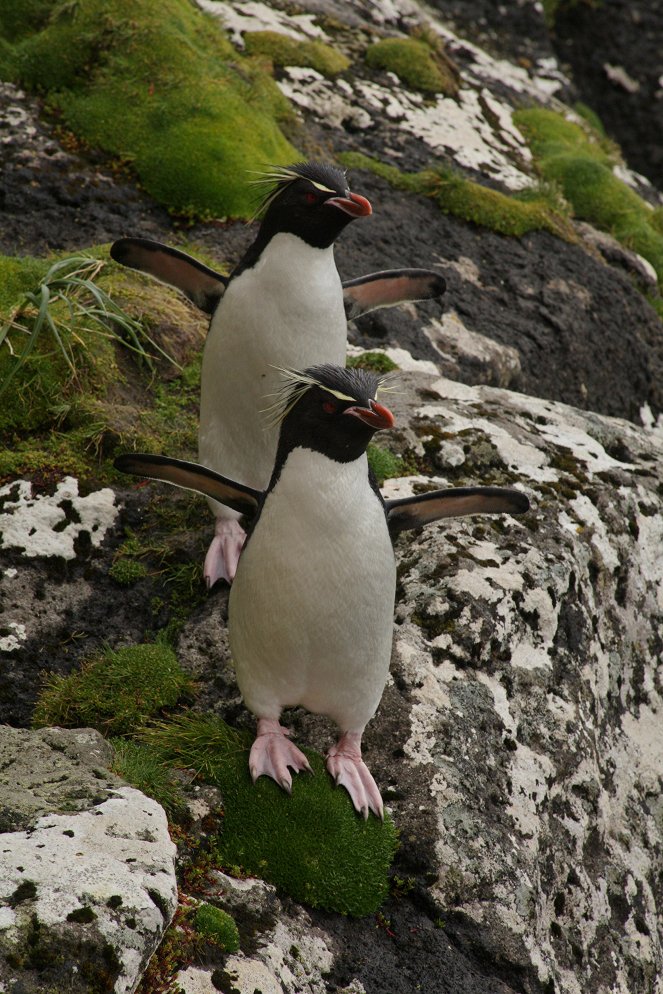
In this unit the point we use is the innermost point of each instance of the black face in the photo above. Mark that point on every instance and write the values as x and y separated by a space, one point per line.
336 415
315 204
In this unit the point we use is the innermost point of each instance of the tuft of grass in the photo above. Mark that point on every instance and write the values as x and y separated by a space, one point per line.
114 693
144 768
416 64
126 571
201 113
580 162
384 463
377 362
216 926
514 216
286 51
311 844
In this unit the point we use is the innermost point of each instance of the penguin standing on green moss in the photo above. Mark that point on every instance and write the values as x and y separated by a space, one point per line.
311 607
283 306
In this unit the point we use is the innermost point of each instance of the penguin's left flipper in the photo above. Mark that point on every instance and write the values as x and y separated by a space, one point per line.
412 512
388 288
191 476
202 285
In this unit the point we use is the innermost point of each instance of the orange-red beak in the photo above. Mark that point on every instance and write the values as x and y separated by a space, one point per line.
376 416
353 204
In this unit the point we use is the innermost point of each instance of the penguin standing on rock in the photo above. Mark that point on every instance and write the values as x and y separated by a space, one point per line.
283 306
311 608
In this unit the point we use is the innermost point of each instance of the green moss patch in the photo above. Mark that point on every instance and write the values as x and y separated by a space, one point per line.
311 844
216 926
115 693
378 362
580 162
286 51
541 209
416 64
384 463
158 87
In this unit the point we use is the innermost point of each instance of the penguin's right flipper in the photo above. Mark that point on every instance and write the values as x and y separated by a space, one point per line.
390 287
455 502
202 285
191 476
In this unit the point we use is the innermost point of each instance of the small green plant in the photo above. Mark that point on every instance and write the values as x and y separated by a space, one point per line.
415 63
144 768
378 362
127 571
84 308
286 51
114 693
311 843
216 926
384 463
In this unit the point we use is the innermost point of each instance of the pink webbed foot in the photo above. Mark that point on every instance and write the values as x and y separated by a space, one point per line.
272 754
348 769
223 553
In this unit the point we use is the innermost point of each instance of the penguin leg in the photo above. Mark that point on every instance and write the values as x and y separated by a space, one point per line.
223 553
348 769
272 754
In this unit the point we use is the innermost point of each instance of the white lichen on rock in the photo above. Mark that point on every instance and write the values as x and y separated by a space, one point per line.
49 525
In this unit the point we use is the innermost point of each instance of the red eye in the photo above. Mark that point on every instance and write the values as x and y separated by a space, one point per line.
311 198
329 407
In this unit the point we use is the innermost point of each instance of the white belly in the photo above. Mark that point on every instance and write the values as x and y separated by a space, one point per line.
311 607
287 311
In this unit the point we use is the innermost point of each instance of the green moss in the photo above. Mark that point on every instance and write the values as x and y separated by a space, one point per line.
378 362
218 926
384 463
478 204
311 844
115 693
581 162
286 51
201 114
127 571
415 63
144 768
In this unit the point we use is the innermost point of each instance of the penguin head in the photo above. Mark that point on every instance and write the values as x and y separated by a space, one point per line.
311 200
331 410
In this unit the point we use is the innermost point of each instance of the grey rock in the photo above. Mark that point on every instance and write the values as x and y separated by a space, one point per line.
88 888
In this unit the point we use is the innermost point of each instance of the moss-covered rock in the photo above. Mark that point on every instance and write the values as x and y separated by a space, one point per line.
286 51
581 163
311 844
158 87
115 693
541 209
415 63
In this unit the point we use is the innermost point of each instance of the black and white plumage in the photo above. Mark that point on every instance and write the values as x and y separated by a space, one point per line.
311 608
283 306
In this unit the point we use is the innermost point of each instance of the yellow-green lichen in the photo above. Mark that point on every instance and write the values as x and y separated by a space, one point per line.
286 51
416 64
158 87
311 844
114 693
508 215
581 162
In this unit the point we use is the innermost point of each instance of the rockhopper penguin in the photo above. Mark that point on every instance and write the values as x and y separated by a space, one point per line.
311 607
283 306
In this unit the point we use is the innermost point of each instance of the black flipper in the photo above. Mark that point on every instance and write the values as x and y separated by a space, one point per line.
412 512
199 283
191 476
393 286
